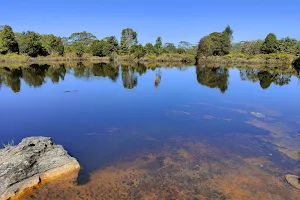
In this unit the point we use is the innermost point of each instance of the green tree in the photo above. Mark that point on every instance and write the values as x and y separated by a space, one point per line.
113 43
84 38
288 46
100 48
138 51
252 47
128 39
270 44
80 42
30 44
8 43
185 45
205 47
158 46
149 48
226 40
169 48
52 44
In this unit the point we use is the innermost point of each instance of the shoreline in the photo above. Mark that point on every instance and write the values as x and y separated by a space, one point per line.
280 60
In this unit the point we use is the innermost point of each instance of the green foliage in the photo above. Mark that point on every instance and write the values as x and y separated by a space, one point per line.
113 44
270 44
53 44
83 38
252 47
149 48
30 44
205 47
138 51
296 63
8 43
79 42
217 44
184 45
289 46
128 39
99 48
104 47
158 46
169 48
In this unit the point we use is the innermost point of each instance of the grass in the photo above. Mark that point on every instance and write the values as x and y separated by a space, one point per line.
19 58
171 57
8 145
282 60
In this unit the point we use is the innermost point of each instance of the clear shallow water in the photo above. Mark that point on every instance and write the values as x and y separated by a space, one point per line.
106 115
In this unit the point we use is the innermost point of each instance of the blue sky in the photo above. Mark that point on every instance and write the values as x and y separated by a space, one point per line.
174 20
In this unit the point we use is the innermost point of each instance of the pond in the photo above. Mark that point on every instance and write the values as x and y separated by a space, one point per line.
158 131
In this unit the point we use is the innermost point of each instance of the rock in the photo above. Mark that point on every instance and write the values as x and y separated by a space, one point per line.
33 161
293 180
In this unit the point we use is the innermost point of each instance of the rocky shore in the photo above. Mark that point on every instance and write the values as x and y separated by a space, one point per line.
33 161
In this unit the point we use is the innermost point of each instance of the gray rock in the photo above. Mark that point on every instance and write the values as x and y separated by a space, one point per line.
33 160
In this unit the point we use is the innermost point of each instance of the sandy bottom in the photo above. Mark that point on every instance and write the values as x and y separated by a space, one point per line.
193 171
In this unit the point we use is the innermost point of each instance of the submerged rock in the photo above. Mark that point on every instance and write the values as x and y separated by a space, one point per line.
258 114
293 180
32 161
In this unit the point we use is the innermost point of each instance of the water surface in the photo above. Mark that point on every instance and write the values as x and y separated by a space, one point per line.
197 132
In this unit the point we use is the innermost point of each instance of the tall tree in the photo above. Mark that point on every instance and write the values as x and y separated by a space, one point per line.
184 45
84 38
30 44
128 39
149 48
158 46
270 44
52 44
169 47
113 43
205 47
8 43
252 47
226 40
138 51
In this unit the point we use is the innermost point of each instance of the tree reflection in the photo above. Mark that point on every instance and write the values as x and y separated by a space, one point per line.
129 77
213 77
265 78
35 74
56 73
11 78
140 68
81 71
106 70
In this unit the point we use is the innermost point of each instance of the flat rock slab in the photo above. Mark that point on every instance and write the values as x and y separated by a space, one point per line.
293 180
32 161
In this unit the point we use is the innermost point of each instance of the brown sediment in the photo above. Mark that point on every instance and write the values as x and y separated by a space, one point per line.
193 171
276 127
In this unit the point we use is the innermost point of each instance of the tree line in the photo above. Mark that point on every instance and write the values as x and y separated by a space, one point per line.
215 44
34 44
